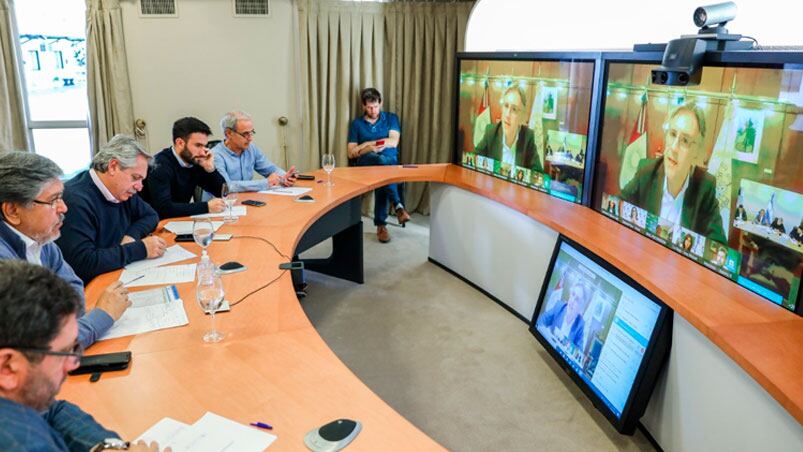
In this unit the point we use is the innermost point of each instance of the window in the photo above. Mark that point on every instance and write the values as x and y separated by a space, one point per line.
52 41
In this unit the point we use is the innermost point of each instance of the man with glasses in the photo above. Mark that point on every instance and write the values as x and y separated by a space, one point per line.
509 140
32 211
180 168
673 186
108 225
237 157
38 346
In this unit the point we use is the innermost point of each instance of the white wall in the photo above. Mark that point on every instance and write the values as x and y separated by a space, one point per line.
504 252
206 62
616 24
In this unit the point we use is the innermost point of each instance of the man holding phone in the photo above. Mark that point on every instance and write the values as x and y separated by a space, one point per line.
237 157
373 139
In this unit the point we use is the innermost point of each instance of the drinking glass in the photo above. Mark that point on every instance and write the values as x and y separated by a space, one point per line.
229 197
328 163
209 293
202 233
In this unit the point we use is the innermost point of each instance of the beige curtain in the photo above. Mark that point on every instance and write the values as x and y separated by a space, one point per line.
404 49
110 104
13 134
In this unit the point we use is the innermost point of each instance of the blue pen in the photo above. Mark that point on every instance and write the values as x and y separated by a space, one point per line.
262 425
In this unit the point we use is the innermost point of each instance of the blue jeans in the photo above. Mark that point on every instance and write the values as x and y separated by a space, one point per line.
384 194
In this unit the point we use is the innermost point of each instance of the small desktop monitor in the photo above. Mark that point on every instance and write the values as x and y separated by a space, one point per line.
525 118
714 171
605 330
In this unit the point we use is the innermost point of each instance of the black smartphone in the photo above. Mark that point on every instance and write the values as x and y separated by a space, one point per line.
103 362
306 177
184 238
253 202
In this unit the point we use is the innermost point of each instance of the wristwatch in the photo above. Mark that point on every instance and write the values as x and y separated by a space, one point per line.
110 444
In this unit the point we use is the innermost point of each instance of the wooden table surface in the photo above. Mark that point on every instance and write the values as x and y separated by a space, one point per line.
275 368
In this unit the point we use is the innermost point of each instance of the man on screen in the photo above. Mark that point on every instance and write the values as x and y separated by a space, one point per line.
671 186
509 141
564 319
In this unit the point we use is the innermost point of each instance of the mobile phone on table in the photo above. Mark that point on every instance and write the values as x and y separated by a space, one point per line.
306 177
184 238
103 362
253 202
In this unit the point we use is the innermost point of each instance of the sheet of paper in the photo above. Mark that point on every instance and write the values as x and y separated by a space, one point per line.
158 276
237 211
287 191
163 432
185 227
215 433
175 253
151 310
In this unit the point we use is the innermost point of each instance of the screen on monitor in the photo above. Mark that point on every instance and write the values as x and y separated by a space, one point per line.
712 171
526 121
610 335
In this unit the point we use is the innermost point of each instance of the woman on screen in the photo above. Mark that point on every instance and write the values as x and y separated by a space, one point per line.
565 319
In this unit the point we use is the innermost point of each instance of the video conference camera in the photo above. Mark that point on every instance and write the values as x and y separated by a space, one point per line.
683 57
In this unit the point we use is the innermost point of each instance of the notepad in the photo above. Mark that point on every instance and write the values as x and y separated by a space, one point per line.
175 253
287 191
236 211
150 310
210 433
158 276
185 227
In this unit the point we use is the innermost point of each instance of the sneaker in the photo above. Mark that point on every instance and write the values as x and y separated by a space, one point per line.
382 234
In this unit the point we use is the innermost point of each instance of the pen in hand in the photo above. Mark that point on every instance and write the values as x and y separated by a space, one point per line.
132 280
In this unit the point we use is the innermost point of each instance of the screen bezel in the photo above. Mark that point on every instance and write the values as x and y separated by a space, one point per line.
655 355
561 57
749 59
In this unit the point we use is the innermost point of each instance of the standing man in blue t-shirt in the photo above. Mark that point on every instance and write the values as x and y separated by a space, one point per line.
373 140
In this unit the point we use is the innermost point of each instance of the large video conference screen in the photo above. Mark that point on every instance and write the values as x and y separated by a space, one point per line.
712 171
526 121
604 329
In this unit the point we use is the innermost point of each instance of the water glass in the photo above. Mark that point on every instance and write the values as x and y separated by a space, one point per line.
209 293
202 232
328 164
229 197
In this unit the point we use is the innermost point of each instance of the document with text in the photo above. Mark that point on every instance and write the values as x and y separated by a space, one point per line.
151 310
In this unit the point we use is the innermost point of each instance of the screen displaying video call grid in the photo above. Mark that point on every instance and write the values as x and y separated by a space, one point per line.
711 171
526 121
601 327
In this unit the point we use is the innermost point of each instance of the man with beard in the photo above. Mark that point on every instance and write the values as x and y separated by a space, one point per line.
108 225
38 346
32 211
182 167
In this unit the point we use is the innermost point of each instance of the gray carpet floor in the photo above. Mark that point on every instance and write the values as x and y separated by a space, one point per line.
456 364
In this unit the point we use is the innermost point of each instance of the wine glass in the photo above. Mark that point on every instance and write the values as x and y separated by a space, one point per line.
202 233
209 293
229 197
328 163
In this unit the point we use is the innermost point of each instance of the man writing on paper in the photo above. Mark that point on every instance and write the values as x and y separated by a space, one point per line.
38 346
672 186
32 211
237 158
108 224
373 140
182 167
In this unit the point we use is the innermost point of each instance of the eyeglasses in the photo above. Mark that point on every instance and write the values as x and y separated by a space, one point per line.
683 140
76 351
53 203
247 134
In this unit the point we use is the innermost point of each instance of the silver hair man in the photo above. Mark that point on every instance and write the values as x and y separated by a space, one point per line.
229 120
122 148
24 176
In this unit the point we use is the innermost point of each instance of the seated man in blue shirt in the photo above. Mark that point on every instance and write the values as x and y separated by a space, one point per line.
373 140
38 346
108 225
236 157
31 213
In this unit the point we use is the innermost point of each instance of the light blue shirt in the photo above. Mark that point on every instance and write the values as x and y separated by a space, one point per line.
238 170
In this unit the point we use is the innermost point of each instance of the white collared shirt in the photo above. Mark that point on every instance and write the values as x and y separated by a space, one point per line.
509 153
671 207
180 160
102 187
33 250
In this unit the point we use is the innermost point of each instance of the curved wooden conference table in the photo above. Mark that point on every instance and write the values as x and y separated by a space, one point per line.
274 367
